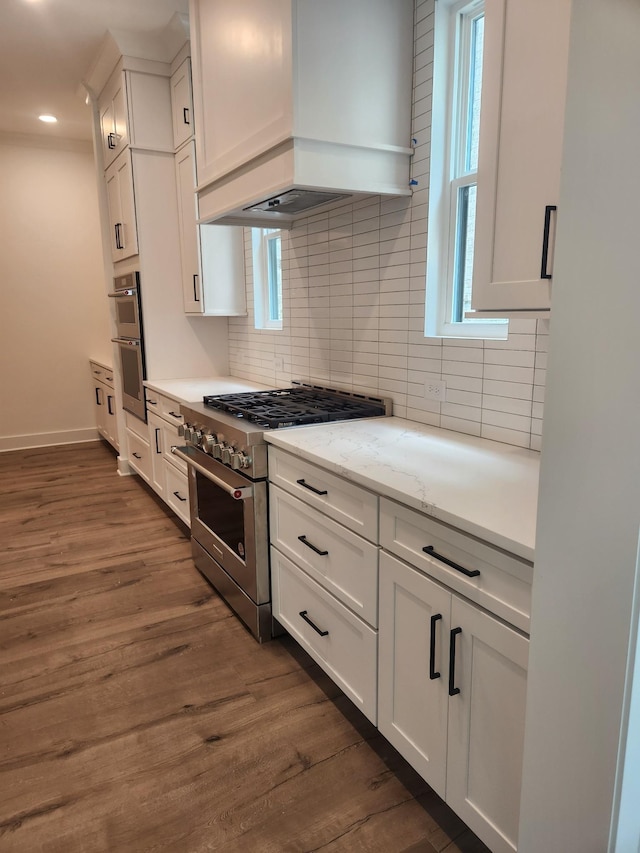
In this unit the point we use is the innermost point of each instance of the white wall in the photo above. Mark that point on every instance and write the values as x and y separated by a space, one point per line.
354 302
581 666
54 313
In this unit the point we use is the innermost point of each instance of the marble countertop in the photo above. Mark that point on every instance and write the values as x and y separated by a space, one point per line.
193 390
485 488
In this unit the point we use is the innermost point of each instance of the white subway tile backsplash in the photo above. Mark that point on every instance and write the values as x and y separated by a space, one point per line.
353 306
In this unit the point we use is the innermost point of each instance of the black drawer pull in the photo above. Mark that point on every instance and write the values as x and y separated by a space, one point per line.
432 647
176 415
109 409
544 273
311 488
179 496
453 690
304 541
157 442
303 613
137 455
111 140
428 549
185 115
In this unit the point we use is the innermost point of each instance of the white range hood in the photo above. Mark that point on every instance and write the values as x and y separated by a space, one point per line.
299 105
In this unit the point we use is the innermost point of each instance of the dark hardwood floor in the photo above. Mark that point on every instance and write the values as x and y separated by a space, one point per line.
137 714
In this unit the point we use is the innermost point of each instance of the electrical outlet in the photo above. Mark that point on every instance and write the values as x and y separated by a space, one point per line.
435 389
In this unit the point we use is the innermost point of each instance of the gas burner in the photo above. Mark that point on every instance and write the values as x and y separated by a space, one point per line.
297 406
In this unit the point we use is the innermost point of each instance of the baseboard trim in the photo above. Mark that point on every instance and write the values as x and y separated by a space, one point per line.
47 439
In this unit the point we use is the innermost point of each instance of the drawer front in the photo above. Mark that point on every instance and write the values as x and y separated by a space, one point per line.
135 425
503 585
341 500
347 652
139 455
101 373
177 493
344 563
166 407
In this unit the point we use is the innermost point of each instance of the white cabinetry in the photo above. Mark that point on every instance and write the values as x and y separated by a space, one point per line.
104 402
452 676
523 98
213 278
140 458
123 234
134 108
324 573
169 474
182 103
279 88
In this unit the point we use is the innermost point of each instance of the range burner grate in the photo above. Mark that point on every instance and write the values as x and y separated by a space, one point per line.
295 406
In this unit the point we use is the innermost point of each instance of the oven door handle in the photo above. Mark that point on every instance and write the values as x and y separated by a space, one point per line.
120 294
239 494
131 342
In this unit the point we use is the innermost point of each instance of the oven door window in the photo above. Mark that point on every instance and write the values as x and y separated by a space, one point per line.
126 312
131 365
222 514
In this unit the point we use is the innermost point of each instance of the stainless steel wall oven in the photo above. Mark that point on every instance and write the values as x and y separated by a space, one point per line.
130 342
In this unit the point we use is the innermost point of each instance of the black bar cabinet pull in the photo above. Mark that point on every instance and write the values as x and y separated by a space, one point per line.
432 647
109 399
157 444
303 613
117 228
453 690
111 140
545 241
428 549
185 115
179 496
137 455
196 298
98 403
311 488
304 541
175 414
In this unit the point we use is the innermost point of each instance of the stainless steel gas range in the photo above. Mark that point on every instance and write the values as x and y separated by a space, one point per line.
226 453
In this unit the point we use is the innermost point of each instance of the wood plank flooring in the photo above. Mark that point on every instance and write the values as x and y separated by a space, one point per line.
137 714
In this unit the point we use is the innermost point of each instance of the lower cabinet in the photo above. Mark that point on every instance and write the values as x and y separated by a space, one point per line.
451 698
104 402
168 474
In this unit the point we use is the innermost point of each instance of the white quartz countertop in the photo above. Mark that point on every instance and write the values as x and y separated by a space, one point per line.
193 390
485 488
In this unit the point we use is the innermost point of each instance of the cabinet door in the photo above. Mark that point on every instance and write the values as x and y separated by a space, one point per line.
181 104
523 96
413 635
486 725
156 448
122 212
189 233
112 106
111 419
100 406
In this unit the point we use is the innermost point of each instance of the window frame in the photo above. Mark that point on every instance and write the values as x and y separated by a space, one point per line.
262 240
450 121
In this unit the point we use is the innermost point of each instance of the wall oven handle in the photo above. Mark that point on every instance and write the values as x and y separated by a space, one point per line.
131 342
120 293
239 494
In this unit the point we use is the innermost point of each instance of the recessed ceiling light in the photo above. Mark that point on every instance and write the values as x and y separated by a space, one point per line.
48 119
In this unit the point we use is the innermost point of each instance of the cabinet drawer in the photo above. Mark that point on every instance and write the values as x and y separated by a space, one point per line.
177 492
139 455
347 652
166 407
503 585
165 436
343 501
344 563
101 373
135 425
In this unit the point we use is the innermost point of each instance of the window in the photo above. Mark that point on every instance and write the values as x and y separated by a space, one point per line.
267 277
457 86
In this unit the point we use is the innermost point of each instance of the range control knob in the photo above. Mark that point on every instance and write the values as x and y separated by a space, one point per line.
226 455
207 443
216 450
181 429
239 460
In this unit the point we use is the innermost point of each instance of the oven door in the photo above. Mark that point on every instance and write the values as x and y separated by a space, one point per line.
229 520
131 361
127 311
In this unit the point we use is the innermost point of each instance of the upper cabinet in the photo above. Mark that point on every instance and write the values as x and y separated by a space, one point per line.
295 94
123 232
523 100
134 109
182 104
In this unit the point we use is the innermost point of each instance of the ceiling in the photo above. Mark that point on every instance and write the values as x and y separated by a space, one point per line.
48 46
